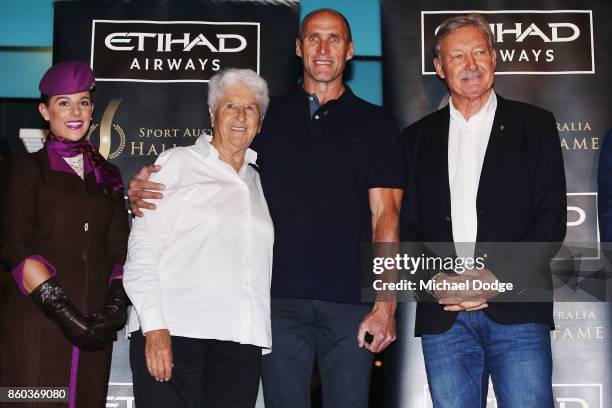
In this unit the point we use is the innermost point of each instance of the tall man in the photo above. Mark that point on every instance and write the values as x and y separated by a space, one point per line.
331 170
483 169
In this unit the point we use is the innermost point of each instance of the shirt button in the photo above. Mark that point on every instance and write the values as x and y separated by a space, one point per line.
86 227
316 116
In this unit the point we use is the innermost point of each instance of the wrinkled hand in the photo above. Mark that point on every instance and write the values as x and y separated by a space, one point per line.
141 189
158 354
464 306
380 323
466 300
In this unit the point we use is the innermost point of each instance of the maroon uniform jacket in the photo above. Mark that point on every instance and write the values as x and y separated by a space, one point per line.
81 228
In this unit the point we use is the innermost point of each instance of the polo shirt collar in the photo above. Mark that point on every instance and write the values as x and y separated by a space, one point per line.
346 96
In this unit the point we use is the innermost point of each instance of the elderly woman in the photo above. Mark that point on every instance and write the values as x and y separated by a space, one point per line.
64 236
199 266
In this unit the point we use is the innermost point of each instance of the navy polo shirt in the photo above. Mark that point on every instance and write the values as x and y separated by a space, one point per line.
315 172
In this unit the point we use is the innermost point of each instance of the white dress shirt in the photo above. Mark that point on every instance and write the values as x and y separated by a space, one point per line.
467 145
200 264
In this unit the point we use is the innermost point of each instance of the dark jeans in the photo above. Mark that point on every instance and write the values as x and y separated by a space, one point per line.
517 356
303 330
206 374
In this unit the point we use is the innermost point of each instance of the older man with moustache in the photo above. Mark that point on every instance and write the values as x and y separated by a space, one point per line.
484 169
331 170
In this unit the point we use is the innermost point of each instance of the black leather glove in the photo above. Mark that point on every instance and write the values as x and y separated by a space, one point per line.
51 299
113 314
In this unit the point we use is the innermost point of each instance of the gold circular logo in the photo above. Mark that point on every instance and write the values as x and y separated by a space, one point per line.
106 126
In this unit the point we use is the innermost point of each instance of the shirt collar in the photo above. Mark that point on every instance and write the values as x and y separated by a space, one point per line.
313 103
345 96
486 109
205 148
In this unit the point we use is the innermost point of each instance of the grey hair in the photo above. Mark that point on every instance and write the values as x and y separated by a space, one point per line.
451 24
220 82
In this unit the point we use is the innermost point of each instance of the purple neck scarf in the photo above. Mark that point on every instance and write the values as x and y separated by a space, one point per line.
93 161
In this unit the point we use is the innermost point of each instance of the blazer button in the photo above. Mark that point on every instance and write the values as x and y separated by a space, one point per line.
86 227
85 257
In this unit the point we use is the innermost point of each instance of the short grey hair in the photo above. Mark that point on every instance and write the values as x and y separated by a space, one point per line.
451 24
220 82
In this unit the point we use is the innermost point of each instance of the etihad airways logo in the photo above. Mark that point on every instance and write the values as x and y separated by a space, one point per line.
527 41
167 42
171 51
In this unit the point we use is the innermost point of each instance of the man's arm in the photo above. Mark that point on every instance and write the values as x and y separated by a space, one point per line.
380 322
141 189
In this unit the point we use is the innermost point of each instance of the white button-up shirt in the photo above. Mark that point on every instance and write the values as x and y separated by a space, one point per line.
200 264
467 145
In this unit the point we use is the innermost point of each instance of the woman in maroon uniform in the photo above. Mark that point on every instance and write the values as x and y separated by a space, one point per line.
63 236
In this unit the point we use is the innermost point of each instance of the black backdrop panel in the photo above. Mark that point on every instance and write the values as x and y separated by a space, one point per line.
154 58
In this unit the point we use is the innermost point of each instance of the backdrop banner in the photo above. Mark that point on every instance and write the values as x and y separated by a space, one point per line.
153 60
554 56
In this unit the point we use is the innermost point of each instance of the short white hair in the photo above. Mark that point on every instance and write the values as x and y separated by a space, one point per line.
220 82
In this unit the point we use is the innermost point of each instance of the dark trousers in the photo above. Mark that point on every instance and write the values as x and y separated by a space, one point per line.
303 330
206 374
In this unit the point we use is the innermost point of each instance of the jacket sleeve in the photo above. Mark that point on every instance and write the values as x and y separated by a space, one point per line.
117 239
18 195
526 263
550 200
410 230
19 183
411 236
